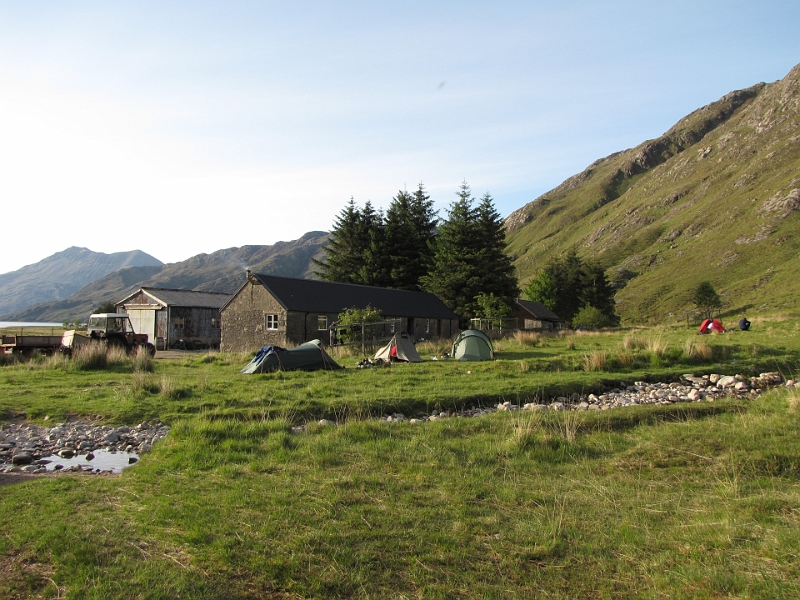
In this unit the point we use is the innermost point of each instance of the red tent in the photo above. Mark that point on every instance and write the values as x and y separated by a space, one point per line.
711 326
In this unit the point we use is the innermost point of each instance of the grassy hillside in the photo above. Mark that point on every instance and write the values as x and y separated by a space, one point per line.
716 198
221 271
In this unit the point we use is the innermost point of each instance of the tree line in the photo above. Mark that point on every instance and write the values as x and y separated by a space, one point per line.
460 259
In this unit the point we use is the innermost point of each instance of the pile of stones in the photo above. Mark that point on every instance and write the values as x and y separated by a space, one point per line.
690 388
23 447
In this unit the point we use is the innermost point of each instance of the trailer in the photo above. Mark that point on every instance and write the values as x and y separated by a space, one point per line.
28 344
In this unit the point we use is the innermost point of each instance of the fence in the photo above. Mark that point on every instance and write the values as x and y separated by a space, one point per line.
367 335
499 325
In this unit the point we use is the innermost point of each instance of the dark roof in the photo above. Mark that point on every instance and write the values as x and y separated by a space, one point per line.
311 295
539 311
184 298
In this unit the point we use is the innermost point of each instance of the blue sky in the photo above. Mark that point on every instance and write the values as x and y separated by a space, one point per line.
202 126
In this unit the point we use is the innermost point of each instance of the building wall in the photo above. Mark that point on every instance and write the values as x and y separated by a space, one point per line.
244 323
193 325
244 326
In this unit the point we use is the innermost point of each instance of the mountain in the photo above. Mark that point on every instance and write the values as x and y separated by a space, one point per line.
221 271
716 198
59 276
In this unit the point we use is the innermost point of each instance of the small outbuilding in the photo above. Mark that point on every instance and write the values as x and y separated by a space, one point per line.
535 316
175 318
286 312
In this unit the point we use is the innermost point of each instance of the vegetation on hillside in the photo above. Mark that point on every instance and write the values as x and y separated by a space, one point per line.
716 198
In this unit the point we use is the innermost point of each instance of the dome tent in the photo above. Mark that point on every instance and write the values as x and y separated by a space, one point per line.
472 345
306 357
401 347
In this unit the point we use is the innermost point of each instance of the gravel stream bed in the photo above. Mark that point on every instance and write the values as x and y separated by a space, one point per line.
27 448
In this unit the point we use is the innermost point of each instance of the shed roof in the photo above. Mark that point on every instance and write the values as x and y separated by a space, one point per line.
311 295
539 311
184 298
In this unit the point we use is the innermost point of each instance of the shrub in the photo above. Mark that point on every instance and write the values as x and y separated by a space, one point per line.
592 318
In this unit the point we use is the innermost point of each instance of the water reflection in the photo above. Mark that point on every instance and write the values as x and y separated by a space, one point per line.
102 460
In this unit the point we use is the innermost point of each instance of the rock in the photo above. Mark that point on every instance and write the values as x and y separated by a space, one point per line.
132 460
21 458
557 406
726 381
695 395
112 437
89 456
66 453
741 386
326 422
575 398
714 378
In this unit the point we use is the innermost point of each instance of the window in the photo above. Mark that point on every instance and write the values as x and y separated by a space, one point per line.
322 322
427 325
216 323
271 321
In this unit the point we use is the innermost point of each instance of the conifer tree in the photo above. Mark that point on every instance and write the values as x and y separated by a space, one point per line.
344 254
409 230
469 257
499 277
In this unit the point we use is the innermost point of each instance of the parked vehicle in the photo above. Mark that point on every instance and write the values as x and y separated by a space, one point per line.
28 344
114 329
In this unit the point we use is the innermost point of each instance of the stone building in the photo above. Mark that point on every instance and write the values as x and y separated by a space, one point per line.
281 311
175 318
535 316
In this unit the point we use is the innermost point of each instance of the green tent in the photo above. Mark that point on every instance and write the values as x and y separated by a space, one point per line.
472 345
306 357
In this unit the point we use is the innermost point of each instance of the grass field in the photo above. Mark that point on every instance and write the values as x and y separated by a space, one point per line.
693 500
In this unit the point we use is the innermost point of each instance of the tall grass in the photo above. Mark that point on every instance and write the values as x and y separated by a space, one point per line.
596 360
697 351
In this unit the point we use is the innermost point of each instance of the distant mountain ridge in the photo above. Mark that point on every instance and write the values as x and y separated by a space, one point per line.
220 271
716 198
59 276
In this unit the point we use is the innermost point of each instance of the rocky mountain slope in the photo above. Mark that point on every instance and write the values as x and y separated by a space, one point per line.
59 276
221 271
716 198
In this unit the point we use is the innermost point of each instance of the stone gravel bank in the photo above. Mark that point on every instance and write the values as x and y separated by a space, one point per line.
23 447
690 388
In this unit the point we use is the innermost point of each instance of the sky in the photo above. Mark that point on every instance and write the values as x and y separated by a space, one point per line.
179 128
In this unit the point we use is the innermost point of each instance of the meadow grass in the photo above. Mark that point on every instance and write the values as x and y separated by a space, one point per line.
698 500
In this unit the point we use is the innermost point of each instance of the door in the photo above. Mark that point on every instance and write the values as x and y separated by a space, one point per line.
144 321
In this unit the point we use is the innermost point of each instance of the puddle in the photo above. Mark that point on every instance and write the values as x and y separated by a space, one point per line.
103 460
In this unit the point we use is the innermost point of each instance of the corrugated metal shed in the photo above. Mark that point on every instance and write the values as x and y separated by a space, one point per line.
184 298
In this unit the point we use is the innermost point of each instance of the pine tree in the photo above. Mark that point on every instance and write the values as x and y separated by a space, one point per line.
499 276
344 254
469 257
409 231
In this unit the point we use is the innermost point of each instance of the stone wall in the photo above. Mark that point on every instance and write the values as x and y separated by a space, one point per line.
244 326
